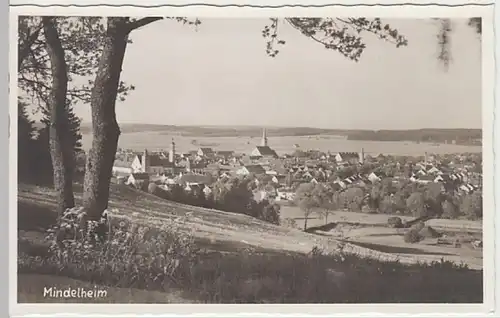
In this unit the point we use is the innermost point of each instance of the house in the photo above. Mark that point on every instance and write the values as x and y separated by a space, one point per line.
137 178
205 152
152 163
441 178
373 177
348 157
122 167
263 152
278 179
341 184
434 170
467 188
224 154
425 179
251 170
207 191
271 172
190 179
284 195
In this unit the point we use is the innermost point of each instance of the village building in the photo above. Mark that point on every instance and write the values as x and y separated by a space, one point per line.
138 178
263 151
156 163
253 170
205 152
190 181
350 157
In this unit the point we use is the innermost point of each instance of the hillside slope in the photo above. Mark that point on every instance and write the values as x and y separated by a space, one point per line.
215 230
219 229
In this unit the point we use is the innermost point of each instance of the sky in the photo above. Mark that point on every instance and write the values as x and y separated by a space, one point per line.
220 74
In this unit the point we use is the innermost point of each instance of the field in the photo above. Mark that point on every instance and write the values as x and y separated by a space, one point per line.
251 261
370 231
155 140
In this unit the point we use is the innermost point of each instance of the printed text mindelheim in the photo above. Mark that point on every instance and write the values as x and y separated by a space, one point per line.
54 292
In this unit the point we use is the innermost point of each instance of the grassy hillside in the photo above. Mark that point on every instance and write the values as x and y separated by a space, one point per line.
243 260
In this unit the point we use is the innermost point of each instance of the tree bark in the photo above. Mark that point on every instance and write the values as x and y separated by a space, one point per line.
105 130
61 150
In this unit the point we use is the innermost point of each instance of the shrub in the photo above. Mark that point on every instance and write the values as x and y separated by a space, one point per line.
395 222
412 236
418 226
290 223
131 256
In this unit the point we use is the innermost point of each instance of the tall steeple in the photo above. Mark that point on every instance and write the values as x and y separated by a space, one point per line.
145 161
263 142
171 155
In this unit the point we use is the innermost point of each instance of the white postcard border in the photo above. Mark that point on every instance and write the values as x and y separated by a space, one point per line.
488 80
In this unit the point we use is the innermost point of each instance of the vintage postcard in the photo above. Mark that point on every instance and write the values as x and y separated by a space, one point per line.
191 155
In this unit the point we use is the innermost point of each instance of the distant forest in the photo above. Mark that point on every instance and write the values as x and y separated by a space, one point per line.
459 136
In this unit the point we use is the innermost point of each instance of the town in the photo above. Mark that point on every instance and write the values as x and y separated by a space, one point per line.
277 178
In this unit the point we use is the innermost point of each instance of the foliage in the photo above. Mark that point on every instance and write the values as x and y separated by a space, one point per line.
289 222
395 222
34 161
461 136
74 126
416 204
25 142
82 40
326 198
252 277
450 209
472 205
444 37
354 199
305 200
412 236
231 195
339 34
129 254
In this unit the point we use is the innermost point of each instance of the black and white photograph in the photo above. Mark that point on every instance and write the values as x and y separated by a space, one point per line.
198 159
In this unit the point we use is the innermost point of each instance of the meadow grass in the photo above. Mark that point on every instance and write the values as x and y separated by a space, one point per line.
165 259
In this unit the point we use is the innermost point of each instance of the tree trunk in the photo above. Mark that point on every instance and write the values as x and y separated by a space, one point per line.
105 130
61 149
305 221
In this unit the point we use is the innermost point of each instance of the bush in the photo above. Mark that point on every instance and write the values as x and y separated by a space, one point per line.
395 222
290 223
412 236
418 226
130 256
157 260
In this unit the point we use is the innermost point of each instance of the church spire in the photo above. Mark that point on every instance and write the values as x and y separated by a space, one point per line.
171 155
263 142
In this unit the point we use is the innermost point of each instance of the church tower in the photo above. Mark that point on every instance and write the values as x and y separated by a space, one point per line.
263 142
145 161
171 155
